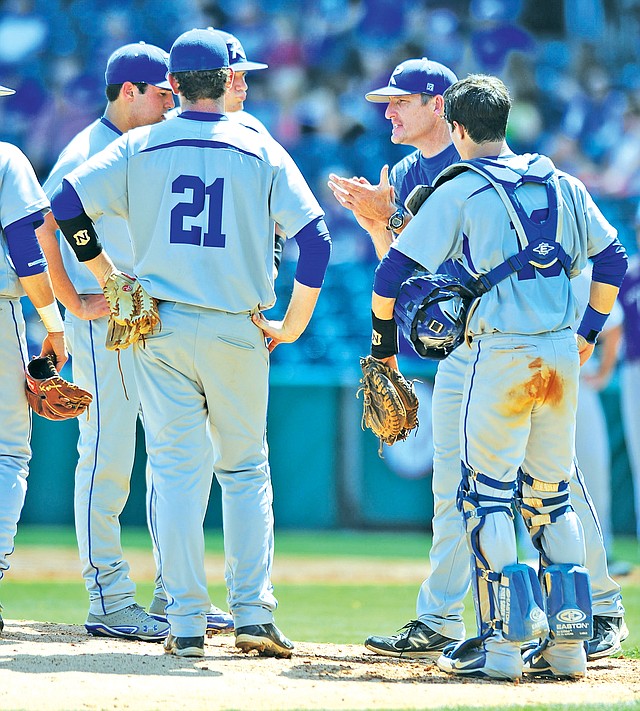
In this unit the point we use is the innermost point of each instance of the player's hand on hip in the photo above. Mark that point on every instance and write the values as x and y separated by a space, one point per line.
92 306
275 332
55 345
585 350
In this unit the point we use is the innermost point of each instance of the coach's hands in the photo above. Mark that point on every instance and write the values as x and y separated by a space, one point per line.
370 202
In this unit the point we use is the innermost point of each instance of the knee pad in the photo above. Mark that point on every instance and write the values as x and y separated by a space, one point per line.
568 601
521 604
541 504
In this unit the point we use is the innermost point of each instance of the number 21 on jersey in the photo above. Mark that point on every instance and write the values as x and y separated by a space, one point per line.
200 199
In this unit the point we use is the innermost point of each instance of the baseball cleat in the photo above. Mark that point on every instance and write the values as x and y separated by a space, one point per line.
218 621
471 658
266 639
608 635
130 623
564 660
415 642
184 646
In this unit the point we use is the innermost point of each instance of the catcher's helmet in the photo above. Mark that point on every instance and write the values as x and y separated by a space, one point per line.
431 312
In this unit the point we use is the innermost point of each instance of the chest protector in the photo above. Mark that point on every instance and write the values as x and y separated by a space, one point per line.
432 325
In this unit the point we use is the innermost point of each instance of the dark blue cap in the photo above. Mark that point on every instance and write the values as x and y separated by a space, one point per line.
415 76
237 56
138 63
197 51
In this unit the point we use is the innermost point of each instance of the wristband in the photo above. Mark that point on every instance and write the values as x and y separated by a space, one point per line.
591 325
81 236
384 337
51 317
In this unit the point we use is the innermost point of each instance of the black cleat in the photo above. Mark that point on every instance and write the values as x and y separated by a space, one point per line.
266 639
415 641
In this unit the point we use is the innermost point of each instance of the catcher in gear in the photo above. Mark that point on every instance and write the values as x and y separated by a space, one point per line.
50 395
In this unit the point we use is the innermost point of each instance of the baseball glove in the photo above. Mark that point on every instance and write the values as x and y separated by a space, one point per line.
134 314
51 396
390 408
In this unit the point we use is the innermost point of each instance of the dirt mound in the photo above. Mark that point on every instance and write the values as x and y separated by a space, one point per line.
54 666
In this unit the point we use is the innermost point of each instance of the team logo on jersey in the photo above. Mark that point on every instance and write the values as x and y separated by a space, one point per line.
543 249
81 237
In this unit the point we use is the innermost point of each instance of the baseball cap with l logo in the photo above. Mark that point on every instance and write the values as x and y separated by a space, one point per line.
415 76
138 63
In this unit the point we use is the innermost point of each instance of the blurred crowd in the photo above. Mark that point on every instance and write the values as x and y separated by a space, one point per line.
572 66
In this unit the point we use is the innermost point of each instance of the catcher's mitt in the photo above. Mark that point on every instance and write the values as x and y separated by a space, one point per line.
134 314
51 396
390 408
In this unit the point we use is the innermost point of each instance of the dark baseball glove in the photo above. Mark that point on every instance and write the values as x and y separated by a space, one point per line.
51 396
390 408
134 313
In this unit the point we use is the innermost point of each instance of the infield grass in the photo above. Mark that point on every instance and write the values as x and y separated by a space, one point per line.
322 612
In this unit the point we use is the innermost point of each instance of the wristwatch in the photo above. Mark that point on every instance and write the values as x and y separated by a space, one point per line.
396 221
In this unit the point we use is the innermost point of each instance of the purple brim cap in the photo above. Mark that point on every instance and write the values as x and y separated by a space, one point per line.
415 76
237 56
198 51
5 91
138 63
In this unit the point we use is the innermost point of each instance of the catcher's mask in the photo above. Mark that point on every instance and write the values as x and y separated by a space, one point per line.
431 312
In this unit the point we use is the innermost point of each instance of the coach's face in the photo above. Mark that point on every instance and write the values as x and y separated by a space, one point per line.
411 120
151 106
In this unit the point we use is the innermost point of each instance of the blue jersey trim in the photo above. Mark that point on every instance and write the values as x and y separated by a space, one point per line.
108 124
202 116
200 143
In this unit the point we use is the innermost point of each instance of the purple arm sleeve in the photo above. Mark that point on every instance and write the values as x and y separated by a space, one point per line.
24 248
610 265
314 242
66 203
393 270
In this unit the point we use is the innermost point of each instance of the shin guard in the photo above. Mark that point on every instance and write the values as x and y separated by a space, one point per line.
521 604
568 599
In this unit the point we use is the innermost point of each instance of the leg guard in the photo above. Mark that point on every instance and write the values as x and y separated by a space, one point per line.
521 605
507 596
568 595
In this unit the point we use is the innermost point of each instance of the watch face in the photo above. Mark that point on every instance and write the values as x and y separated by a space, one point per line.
396 220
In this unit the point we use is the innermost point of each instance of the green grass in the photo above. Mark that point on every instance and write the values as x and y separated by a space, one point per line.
308 612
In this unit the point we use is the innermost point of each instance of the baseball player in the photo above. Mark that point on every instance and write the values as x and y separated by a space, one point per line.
138 94
630 368
22 206
517 421
416 117
201 195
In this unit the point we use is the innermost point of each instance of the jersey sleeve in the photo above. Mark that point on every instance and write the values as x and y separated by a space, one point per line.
20 193
101 182
292 204
431 237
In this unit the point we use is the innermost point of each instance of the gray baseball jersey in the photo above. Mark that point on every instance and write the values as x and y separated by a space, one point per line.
162 168
20 196
113 231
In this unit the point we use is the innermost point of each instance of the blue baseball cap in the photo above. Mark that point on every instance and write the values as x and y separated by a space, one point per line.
138 63
415 76
237 56
5 91
197 51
